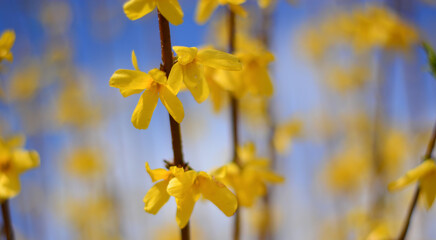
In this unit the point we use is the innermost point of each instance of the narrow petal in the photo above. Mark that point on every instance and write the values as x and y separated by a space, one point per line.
172 104
271 176
16 141
175 80
134 61
181 185
219 60
238 10
24 160
193 77
129 92
185 206
156 197
130 80
157 174
218 194
9 185
413 175
171 10
428 188
259 81
236 2
204 10
135 9
144 109
7 39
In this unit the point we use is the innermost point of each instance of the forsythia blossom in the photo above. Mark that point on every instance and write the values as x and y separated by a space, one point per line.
186 187
205 8
425 173
190 68
156 87
13 162
7 40
170 9
248 180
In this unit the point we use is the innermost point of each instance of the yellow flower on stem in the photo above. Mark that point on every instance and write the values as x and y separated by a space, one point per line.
186 187
205 8
13 162
7 40
156 86
250 179
170 9
425 173
190 64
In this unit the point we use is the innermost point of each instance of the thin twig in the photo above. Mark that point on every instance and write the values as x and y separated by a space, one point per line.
7 220
428 154
167 64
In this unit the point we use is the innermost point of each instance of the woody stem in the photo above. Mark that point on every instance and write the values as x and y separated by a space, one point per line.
428 154
167 64
7 224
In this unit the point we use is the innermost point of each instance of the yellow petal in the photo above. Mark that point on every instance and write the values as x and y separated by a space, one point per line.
16 141
172 104
135 9
185 206
9 185
413 175
130 80
157 174
134 61
24 160
271 176
156 197
259 81
158 76
181 185
238 10
264 3
144 109
236 2
171 10
175 80
129 92
218 194
428 189
7 39
185 55
219 60
204 10
193 77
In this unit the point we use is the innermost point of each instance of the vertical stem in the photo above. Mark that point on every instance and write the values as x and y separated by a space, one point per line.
7 220
167 64
412 206
234 118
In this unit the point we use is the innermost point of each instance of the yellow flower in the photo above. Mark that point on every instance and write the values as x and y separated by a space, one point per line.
218 95
7 40
25 82
85 163
156 86
190 68
13 162
425 173
170 9
265 3
284 134
186 187
250 179
205 8
380 232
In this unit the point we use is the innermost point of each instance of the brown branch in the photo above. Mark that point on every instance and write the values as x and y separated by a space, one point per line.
167 64
428 154
7 221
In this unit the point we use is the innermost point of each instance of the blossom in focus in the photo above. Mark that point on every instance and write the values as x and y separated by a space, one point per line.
425 173
14 161
190 68
186 187
205 8
156 86
250 178
7 40
170 9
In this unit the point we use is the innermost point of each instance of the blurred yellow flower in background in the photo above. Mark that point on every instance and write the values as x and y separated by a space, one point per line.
7 40
284 133
85 162
170 9
425 173
189 68
186 187
155 86
205 8
250 179
25 82
14 161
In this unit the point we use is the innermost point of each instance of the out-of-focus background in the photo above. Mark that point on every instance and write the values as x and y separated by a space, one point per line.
352 73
